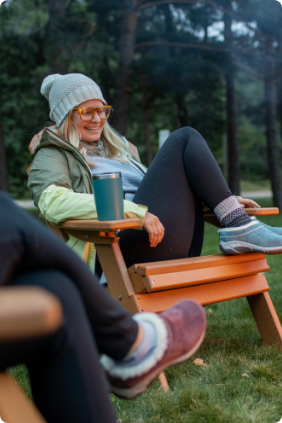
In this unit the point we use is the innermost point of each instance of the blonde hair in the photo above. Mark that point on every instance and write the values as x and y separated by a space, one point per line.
115 145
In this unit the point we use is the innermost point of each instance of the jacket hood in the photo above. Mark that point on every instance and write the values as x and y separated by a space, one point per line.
49 138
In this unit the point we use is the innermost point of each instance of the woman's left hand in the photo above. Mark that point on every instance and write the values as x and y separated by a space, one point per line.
248 203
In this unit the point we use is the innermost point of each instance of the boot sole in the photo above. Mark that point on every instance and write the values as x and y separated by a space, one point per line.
235 247
142 386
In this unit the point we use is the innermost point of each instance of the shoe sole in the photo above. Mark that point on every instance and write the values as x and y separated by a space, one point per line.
235 247
142 386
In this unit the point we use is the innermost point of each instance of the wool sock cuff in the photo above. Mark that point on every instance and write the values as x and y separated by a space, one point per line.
146 346
145 357
226 207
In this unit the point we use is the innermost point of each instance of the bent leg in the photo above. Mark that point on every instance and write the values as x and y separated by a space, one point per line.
183 174
67 381
26 246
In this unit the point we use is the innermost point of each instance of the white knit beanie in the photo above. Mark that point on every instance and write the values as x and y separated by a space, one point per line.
64 92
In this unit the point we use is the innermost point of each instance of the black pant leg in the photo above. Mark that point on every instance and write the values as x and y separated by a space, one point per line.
67 381
26 246
183 174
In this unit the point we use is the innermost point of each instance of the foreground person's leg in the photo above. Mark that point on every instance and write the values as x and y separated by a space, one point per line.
66 377
26 246
175 334
33 250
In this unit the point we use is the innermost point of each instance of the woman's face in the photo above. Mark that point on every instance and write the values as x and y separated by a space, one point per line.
90 131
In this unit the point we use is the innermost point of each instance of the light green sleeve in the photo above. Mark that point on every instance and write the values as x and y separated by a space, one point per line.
58 204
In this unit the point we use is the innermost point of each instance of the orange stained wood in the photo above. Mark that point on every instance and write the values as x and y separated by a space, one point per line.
253 211
15 406
263 211
266 319
96 225
206 275
28 312
169 266
205 294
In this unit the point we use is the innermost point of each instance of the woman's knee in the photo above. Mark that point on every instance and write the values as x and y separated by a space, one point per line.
185 135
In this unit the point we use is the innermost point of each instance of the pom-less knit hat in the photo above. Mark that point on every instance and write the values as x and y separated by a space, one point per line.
64 92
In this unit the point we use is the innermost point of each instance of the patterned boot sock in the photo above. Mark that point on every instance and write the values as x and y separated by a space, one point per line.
231 214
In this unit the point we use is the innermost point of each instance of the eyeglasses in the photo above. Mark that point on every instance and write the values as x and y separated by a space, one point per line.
87 113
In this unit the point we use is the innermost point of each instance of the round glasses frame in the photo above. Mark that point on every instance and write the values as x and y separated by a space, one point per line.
87 113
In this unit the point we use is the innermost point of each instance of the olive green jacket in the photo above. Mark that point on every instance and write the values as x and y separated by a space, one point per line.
61 187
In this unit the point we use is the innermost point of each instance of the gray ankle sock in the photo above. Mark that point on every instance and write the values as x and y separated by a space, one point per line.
147 345
230 213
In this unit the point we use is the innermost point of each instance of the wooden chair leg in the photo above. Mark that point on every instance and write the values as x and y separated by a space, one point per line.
15 407
163 382
266 319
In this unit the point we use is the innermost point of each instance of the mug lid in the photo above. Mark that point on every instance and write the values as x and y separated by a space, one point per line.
108 175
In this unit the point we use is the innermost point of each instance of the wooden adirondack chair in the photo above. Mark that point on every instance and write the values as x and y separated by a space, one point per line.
207 279
24 313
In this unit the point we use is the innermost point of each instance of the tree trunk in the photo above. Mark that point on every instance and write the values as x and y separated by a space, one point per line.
182 115
271 122
231 115
3 166
146 121
57 54
126 53
279 86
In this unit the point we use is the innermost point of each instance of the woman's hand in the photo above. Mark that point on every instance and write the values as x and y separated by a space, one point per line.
154 228
248 203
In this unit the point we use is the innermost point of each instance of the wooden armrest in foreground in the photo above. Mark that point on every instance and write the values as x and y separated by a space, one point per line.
24 313
27 312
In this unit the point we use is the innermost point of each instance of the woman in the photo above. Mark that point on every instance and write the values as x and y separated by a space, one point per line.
167 198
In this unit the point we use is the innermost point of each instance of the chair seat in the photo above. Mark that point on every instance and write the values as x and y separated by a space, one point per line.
171 274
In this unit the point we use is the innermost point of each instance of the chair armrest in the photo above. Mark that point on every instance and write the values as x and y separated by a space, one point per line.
262 211
103 226
210 217
28 312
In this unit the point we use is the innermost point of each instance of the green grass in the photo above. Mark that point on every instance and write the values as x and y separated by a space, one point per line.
232 347
251 186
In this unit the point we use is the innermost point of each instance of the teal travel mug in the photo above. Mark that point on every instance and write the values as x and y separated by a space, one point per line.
108 196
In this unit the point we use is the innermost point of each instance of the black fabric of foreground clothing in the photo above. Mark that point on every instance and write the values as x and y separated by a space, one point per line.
183 174
67 380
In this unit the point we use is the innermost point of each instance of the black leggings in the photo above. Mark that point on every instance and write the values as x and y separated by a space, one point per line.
66 378
183 174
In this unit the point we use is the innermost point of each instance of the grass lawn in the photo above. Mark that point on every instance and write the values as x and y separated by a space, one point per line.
242 379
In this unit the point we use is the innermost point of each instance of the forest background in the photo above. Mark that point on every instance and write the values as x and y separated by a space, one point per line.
213 65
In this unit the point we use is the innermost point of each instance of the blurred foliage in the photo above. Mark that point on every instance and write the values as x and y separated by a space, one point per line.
185 85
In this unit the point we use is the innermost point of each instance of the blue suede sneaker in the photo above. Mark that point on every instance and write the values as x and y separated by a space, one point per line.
250 238
277 231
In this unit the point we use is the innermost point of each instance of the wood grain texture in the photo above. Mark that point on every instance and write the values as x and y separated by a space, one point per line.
203 276
94 224
179 265
27 312
119 283
252 211
15 406
205 294
266 319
